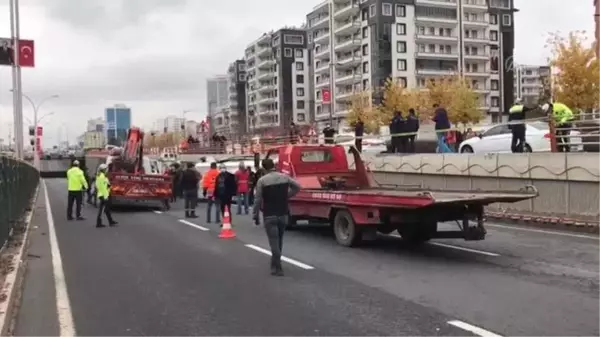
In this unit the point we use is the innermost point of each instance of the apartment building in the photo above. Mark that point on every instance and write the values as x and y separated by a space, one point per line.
358 44
230 116
170 123
217 95
529 82
278 80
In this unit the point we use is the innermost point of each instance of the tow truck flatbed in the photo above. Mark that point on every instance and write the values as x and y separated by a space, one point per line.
357 207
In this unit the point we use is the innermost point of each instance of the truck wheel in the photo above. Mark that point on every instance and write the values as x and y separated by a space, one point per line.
345 230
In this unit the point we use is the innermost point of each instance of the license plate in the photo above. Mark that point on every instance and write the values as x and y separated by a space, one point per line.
139 190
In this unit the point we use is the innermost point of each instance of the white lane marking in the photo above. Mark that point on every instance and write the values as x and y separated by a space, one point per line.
63 306
157 212
191 224
283 258
474 329
581 236
470 250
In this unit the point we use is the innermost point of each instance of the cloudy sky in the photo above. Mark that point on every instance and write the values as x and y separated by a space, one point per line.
155 55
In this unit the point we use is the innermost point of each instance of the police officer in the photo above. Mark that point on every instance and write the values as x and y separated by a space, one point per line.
76 185
517 113
273 191
563 119
103 193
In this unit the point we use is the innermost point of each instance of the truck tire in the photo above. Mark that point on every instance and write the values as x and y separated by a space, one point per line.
345 230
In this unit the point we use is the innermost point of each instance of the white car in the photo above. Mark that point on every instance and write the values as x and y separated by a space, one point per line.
497 139
369 145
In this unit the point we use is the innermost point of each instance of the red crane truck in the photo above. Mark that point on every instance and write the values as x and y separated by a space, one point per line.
357 207
133 177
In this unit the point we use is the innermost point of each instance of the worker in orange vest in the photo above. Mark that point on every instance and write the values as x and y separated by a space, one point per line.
208 186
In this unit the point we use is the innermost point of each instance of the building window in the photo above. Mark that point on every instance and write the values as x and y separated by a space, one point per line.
365 14
300 105
506 20
242 77
401 29
365 67
495 102
299 53
278 53
493 35
293 39
299 66
401 10
300 117
386 9
287 52
300 92
494 84
493 19
241 66
275 41
401 47
365 50
300 79
365 84
401 65
365 32
372 11
402 81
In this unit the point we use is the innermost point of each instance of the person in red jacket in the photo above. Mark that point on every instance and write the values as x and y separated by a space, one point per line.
242 178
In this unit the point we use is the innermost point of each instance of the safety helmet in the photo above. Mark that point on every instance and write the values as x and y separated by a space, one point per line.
546 107
519 100
102 167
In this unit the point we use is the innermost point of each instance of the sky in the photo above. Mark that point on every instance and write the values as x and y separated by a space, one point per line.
155 55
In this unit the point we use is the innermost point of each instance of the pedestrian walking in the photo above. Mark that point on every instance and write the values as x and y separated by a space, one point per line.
208 187
103 194
273 191
242 177
77 184
225 189
189 185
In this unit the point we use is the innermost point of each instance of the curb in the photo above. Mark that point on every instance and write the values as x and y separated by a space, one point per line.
14 280
545 221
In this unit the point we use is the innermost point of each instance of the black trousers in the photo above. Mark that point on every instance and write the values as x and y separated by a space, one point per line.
411 144
104 207
223 203
517 144
358 144
74 197
191 200
563 143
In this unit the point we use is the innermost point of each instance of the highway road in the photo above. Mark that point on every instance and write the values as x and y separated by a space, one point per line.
158 274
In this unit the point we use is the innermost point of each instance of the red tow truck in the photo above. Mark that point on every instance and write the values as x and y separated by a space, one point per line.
133 177
357 207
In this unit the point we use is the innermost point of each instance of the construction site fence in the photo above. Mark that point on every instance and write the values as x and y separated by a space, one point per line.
587 133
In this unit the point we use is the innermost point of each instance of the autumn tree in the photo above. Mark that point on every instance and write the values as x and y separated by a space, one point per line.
361 108
457 96
577 75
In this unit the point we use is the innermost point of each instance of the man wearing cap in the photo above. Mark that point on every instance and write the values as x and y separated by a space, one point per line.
76 184
273 191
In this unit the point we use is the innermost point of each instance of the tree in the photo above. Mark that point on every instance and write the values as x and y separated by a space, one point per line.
361 108
456 95
576 78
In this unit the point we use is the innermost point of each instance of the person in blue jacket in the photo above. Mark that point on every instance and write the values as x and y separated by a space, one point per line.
442 125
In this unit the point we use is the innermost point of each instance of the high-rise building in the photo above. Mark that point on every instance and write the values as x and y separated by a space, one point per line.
117 121
168 124
530 82
231 117
217 94
95 124
278 91
357 45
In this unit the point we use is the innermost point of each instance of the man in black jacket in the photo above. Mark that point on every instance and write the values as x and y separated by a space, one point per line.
273 191
412 126
359 130
225 189
189 185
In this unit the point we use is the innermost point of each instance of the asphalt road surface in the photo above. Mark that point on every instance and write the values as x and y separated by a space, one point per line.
156 274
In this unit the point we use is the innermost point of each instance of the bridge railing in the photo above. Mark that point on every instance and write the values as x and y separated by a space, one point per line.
18 183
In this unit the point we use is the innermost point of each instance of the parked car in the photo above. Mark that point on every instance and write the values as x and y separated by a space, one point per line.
497 138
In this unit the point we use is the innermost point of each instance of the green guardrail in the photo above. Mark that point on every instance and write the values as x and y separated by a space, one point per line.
18 183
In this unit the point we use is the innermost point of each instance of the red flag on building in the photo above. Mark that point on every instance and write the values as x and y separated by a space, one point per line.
326 96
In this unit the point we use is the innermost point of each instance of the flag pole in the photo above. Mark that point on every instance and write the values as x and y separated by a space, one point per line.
19 86
15 58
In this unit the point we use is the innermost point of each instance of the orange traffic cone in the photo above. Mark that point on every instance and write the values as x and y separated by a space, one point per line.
226 231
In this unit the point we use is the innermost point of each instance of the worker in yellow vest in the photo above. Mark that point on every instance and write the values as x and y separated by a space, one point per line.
515 115
76 184
563 119
103 191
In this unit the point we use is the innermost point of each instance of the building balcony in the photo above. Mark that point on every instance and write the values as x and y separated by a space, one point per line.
322 22
232 95
435 38
438 3
267 100
323 68
479 6
323 53
264 52
266 111
348 78
481 90
476 40
477 56
347 44
436 55
475 23
266 63
350 61
479 73
437 21
266 75
322 37
344 95
348 10
435 72
347 27
322 84
266 88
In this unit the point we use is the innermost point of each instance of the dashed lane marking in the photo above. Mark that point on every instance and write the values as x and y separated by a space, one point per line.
464 249
191 224
283 258
474 329
524 229
63 305
157 212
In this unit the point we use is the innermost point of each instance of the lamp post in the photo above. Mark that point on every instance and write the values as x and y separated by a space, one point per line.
36 107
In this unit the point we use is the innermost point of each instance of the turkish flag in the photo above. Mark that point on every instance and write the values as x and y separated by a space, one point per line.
26 53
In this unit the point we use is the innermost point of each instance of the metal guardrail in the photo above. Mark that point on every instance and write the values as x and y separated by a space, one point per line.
18 182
